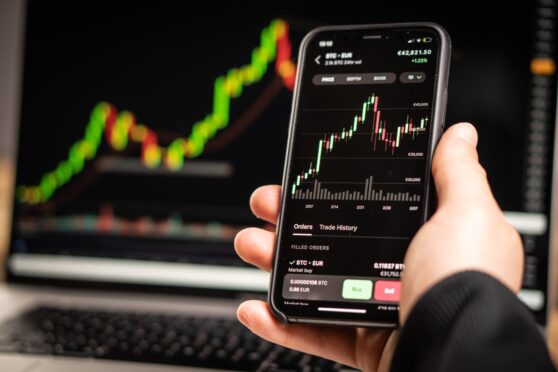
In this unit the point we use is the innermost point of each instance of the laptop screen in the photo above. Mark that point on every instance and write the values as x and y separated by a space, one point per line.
144 128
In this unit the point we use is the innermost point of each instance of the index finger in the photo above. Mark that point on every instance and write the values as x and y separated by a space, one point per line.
265 202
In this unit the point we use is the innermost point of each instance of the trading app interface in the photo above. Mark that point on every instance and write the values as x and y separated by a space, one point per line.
356 185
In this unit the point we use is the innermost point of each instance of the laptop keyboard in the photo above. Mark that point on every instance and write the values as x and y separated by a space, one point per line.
153 338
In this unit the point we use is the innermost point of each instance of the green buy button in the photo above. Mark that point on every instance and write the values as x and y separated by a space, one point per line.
357 289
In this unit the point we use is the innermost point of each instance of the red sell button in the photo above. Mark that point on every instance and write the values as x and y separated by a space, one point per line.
387 290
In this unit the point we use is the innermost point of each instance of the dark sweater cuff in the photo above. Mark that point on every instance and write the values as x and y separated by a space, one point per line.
470 321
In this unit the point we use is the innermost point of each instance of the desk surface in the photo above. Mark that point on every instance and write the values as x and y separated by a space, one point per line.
6 176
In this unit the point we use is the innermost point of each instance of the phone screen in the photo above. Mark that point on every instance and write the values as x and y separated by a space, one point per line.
357 172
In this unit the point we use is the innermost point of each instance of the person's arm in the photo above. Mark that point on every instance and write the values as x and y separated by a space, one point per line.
470 322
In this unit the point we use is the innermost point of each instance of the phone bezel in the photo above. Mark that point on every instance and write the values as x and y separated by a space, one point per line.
438 121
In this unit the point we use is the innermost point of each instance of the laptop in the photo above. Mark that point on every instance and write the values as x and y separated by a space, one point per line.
129 191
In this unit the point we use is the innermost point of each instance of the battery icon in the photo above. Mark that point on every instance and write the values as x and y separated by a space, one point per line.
427 40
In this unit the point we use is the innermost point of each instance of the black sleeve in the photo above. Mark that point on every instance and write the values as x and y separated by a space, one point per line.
470 322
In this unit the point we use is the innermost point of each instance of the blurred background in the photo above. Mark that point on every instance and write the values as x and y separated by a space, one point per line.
159 61
501 79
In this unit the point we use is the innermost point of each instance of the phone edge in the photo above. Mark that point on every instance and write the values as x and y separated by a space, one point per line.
442 77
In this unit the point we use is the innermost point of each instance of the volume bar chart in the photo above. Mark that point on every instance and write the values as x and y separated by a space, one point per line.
367 194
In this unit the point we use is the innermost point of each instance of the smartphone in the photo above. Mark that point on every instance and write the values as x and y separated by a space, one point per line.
368 109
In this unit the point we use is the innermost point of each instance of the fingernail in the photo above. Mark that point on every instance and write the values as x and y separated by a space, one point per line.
251 203
466 132
242 317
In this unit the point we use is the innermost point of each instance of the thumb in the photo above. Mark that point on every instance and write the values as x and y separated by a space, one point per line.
459 178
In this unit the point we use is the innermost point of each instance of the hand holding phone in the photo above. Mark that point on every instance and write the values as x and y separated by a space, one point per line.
467 209
367 113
